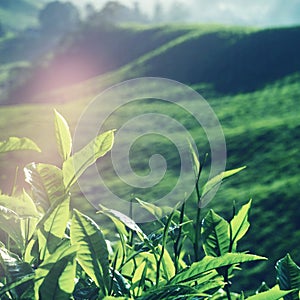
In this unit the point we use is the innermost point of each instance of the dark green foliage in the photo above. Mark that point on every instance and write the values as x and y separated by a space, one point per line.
14 270
215 234
54 278
288 275
273 294
92 255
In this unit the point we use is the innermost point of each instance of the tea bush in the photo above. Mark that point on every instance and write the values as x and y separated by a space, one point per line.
50 251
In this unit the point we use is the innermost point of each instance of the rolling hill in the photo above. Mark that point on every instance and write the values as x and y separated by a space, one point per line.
19 14
250 77
228 59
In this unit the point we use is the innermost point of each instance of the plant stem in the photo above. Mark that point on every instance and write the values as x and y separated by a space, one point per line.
178 242
114 265
198 217
158 264
14 187
227 289
164 241
8 242
130 242
197 234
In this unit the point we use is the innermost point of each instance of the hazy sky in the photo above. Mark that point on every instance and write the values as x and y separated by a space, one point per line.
243 12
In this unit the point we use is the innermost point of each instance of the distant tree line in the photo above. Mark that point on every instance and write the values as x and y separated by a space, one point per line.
62 17
114 12
59 17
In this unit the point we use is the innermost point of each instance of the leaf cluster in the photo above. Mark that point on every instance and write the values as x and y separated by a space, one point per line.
51 251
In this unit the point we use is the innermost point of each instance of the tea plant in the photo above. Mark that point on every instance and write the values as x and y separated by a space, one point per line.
50 251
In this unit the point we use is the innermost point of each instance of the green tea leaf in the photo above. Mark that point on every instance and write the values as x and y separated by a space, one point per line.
59 283
169 292
288 275
75 165
10 223
22 205
92 254
209 263
120 226
195 158
215 181
123 234
63 136
216 282
59 252
15 143
7 213
165 258
31 254
16 284
120 285
273 294
27 207
240 224
215 234
124 219
28 228
46 183
167 264
156 211
55 276
138 278
14 269
51 228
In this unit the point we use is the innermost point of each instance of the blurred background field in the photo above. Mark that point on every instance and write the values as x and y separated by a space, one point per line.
247 69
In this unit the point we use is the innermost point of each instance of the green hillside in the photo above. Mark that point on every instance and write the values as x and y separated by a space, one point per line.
19 14
229 59
250 78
